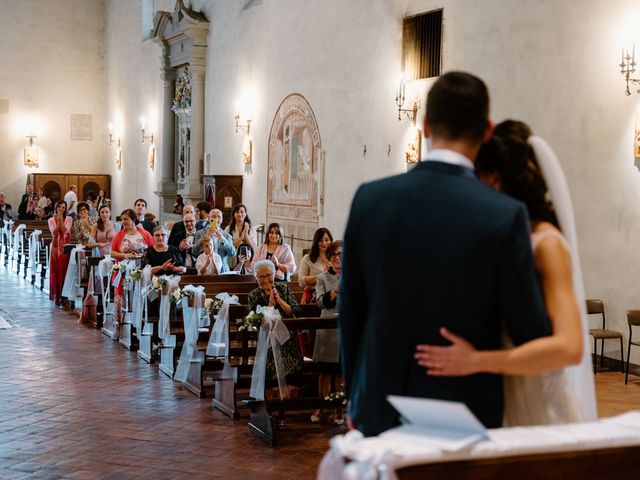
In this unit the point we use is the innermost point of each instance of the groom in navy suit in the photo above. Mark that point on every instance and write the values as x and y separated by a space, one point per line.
458 256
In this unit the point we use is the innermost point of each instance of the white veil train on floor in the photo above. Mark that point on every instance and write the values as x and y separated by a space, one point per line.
580 375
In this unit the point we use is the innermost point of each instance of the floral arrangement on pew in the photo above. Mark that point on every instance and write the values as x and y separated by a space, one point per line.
211 306
175 296
335 397
251 322
135 275
158 282
119 268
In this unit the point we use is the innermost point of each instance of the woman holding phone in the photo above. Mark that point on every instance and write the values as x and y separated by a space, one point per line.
240 228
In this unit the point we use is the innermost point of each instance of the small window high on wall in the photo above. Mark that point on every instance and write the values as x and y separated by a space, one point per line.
422 46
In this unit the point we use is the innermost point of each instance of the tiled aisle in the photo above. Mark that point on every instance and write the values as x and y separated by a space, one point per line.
75 404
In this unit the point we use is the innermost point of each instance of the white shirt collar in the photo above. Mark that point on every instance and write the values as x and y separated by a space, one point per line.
449 156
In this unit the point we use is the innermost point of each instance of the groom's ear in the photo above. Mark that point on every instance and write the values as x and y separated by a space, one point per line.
488 131
425 128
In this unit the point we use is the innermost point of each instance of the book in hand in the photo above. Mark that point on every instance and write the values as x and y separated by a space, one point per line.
437 424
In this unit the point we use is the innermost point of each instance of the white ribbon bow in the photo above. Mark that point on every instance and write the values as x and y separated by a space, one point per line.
218 345
273 333
190 318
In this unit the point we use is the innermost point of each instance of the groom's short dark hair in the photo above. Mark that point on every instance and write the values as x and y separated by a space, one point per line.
458 107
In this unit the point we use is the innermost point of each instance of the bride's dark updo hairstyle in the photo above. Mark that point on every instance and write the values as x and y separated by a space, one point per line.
509 154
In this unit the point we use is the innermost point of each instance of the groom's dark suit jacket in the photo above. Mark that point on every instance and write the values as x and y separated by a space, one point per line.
433 247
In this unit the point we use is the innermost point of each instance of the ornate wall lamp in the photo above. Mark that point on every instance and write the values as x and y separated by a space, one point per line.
247 144
142 131
112 142
31 153
411 113
628 67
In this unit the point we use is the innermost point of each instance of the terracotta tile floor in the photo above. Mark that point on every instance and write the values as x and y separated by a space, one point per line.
74 404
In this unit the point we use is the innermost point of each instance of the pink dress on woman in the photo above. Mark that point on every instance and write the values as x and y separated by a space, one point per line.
57 259
106 236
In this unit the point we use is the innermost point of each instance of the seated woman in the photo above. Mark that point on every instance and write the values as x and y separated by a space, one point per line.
164 259
275 250
82 226
326 350
272 294
208 262
316 261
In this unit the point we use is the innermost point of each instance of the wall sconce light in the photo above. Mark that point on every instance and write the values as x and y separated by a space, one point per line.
411 113
145 137
245 127
627 67
413 152
31 153
112 142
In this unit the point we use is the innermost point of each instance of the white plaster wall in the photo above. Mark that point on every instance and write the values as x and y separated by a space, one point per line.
552 63
134 90
52 66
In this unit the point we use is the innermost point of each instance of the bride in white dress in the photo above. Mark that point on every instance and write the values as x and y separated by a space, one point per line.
547 380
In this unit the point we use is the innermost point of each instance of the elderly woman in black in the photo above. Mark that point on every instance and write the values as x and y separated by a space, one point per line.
272 294
164 259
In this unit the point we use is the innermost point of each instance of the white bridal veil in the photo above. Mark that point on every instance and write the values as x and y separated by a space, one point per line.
579 375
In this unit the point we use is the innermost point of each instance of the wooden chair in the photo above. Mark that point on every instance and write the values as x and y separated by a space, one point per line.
633 319
595 306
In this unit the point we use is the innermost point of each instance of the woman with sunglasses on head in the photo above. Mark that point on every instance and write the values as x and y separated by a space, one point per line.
164 259
83 225
60 226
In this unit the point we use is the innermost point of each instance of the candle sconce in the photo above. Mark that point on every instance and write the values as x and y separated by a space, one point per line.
411 113
246 127
145 137
628 67
113 142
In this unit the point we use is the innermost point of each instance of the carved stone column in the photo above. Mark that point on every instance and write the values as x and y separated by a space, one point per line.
193 189
167 187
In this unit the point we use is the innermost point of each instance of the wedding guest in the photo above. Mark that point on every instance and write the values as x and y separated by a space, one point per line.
208 262
178 227
202 215
140 207
6 212
72 200
326 349
222 243
277 294
26 210
82 225
243 259
100 199
240 228
91 201
316 261
60 227
184 241
129 243
104 230
43 203
275 250
164 259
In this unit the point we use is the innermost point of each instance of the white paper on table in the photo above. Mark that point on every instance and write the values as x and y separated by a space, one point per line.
441 424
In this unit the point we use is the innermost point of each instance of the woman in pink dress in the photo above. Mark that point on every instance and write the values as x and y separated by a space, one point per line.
103 231
60 227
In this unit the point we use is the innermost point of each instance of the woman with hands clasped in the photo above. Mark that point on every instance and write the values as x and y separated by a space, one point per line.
130 242
208 262
538 390
103 230
164 259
